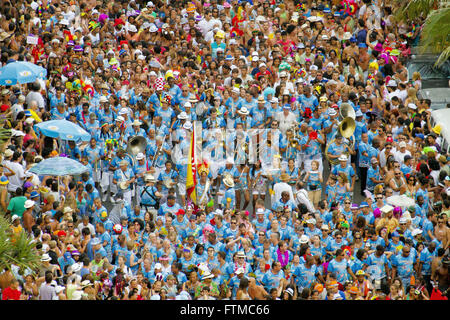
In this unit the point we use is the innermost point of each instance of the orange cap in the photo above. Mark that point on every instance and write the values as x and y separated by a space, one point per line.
353 290
318 287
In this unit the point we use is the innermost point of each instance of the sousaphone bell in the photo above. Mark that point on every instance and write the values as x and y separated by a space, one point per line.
346 110
346 128
136 144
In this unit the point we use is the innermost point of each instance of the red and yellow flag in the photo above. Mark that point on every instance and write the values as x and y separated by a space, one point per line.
191 178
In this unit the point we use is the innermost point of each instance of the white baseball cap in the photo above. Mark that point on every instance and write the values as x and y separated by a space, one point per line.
332 112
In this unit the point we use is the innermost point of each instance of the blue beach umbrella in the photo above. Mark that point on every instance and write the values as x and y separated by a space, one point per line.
58 166
63 129
19 72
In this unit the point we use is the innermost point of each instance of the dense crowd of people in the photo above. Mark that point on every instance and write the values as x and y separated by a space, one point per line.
307 127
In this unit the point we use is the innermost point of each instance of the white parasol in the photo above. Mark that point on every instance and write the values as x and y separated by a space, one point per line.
400 201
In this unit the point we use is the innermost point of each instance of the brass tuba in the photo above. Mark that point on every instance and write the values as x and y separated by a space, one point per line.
346 110
244 147
346 128
293 143
136 144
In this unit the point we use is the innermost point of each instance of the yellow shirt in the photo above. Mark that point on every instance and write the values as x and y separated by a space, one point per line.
16 230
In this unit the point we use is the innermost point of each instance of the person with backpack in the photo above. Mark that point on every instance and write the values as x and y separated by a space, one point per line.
149 195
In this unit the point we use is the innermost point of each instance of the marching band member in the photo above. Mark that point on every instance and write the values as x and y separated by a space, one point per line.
124 177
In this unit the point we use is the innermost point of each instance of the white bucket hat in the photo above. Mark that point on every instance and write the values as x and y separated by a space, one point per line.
182 116
304 239
45 257
244 111
187 125
29 203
